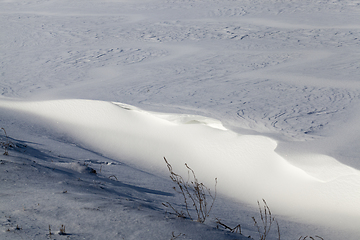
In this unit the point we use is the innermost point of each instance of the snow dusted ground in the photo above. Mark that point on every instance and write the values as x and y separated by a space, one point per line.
263 95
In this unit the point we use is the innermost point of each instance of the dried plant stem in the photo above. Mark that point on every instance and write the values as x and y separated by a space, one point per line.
266 221
6 144
303 238
50 233
62 230
176 236
236 229
195 194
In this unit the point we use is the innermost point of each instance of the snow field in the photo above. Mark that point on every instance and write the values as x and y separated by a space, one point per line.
280 77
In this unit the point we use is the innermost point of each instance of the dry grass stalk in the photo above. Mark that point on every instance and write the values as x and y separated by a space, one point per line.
62 230
176 236
195 195
113 177
266 221
7 143
50 233
303 238
236 229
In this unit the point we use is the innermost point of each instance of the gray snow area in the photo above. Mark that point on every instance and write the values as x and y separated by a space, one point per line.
263 96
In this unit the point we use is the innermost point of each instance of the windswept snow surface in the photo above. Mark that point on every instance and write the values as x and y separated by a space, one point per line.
263 95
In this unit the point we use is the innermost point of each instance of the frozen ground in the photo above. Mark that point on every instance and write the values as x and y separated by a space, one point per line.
281 78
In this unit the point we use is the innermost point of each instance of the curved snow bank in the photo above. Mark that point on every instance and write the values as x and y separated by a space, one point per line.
247 167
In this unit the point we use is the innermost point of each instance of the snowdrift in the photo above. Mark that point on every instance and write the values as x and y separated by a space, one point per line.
248 169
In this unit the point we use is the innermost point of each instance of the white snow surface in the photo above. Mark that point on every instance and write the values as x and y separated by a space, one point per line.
262 95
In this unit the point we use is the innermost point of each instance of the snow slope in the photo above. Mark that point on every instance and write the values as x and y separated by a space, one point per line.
280 77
